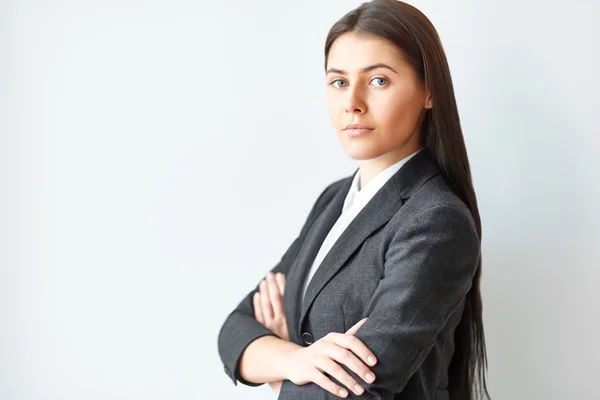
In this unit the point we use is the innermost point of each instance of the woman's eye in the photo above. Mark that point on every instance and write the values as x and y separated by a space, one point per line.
333 83
338 83
380 81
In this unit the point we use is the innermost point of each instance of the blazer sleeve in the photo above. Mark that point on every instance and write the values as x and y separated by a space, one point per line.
429 267
240 327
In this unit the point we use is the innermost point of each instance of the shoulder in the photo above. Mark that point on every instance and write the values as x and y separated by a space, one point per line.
330 190
325 196
435 225
435 194
437 209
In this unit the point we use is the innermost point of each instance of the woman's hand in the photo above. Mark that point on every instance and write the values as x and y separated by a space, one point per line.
309 364
268 310
268 305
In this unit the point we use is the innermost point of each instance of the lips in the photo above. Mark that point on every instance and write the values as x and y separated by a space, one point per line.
357 132
357 126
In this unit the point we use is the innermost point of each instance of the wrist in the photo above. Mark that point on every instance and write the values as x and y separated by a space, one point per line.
283 358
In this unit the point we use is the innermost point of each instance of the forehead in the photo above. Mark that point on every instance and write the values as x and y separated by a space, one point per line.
355 50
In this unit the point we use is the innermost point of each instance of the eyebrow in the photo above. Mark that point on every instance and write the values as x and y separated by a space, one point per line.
363 70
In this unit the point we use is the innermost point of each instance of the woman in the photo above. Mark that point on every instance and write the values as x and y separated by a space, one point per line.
379 296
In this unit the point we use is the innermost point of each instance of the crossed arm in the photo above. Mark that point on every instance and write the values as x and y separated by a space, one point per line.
429 267
310 365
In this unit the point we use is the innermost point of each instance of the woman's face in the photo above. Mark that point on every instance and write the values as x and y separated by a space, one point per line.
370 83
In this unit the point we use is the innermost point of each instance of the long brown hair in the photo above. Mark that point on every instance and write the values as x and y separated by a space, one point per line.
413 33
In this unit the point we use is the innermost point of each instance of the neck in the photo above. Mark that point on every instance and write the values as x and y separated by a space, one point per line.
370 168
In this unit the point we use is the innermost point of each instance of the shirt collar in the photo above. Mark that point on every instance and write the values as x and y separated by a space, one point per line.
352 193
361 196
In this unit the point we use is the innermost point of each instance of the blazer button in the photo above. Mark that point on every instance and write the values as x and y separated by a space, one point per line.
307 338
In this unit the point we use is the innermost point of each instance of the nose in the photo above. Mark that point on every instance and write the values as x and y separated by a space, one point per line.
355 103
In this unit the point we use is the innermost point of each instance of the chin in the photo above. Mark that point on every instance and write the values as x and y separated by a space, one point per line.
361 152
361 148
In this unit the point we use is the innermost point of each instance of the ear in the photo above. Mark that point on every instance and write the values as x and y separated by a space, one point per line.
428 100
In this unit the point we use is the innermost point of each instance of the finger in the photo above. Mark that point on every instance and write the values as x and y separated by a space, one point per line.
265 302
355 327
274 296
353 343
344 356
285 332
280 278
258 314
321 380
339 373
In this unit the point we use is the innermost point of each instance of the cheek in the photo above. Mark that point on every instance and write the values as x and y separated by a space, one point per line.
395 112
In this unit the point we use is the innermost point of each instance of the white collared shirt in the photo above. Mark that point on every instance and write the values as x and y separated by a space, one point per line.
355 200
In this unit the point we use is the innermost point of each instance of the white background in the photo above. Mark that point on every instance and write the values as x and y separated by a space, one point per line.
157 158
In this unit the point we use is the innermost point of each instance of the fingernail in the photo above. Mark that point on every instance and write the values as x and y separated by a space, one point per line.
370 377
358 389
371 360
343 393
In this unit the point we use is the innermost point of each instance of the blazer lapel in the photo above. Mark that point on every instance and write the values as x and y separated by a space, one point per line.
378 211
320 227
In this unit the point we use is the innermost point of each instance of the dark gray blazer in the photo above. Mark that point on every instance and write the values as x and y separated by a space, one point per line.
406 262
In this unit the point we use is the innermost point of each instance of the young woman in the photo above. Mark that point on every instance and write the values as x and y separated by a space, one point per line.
379 295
